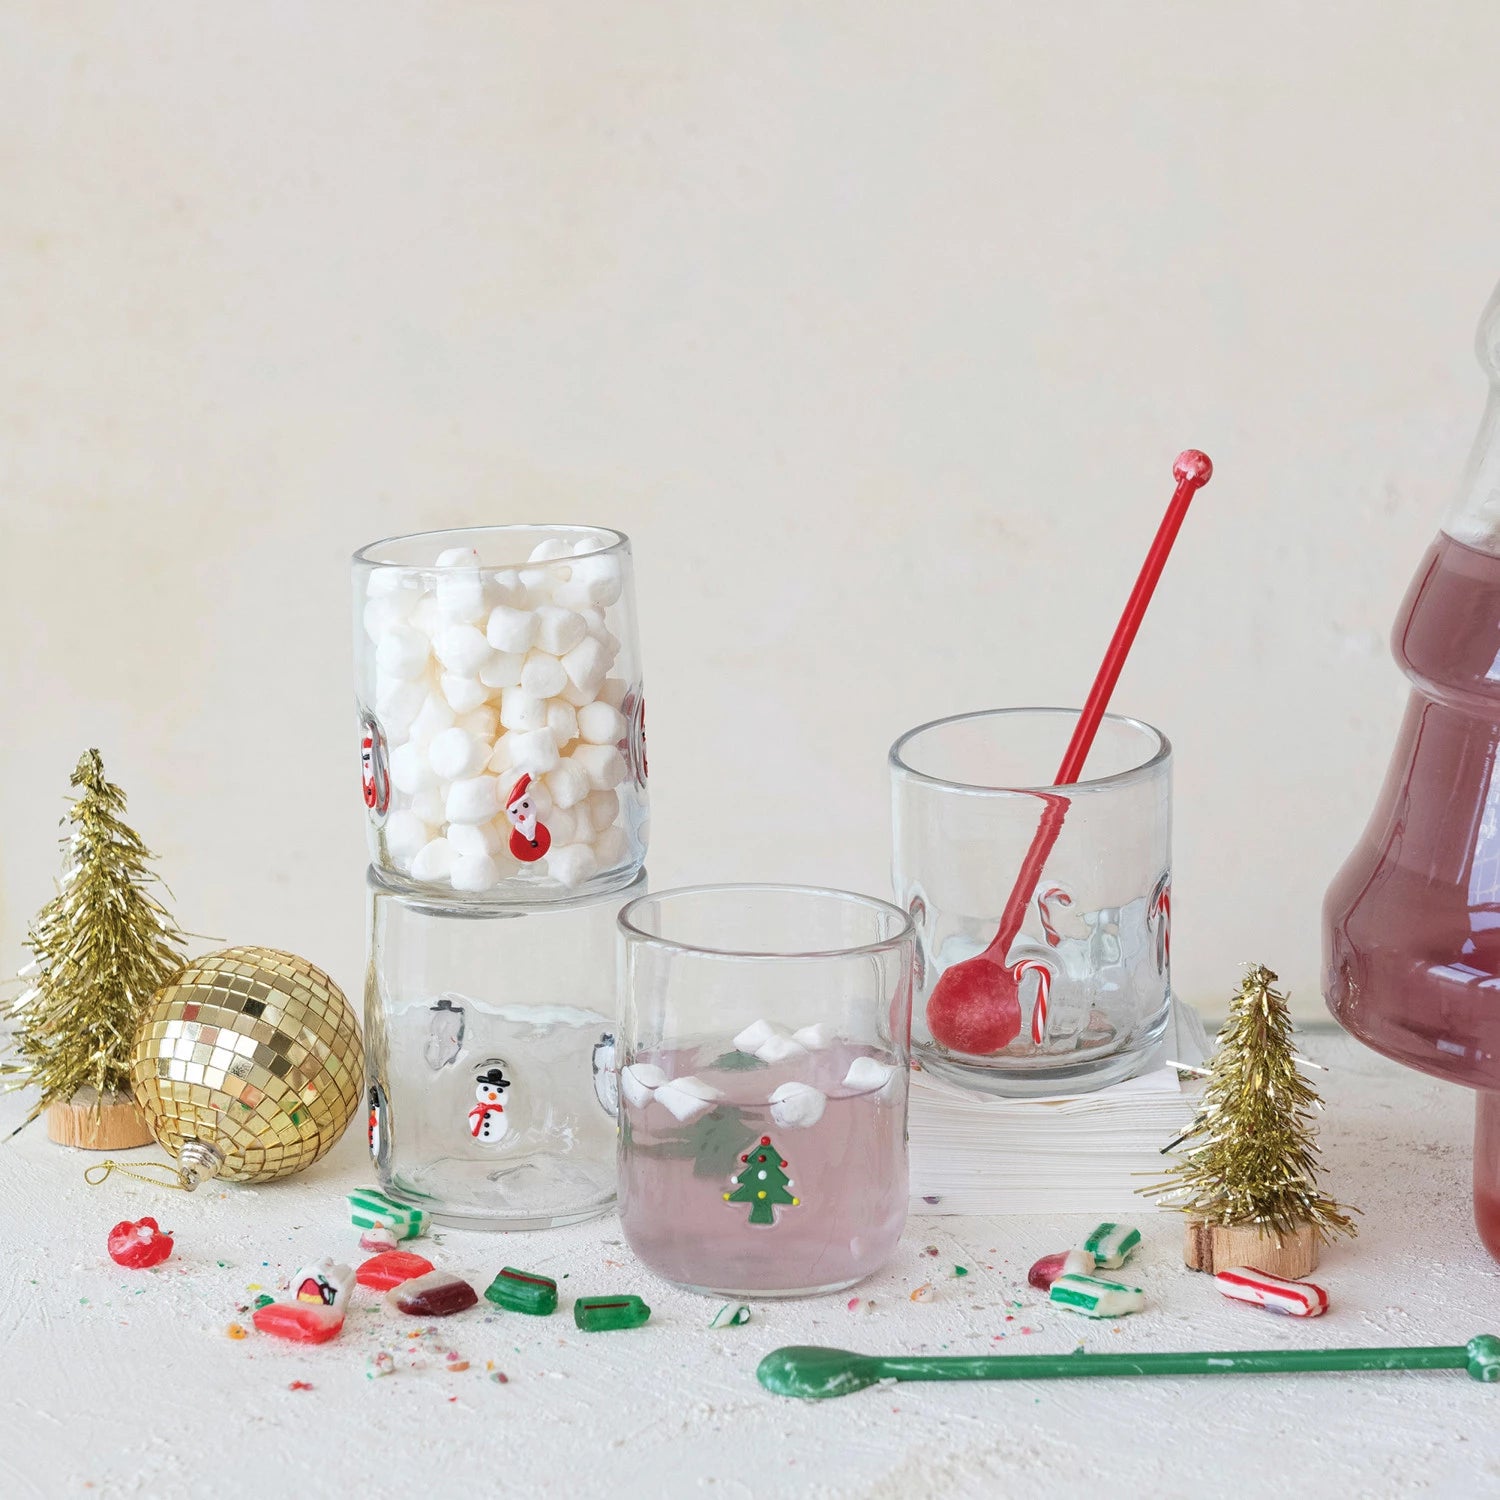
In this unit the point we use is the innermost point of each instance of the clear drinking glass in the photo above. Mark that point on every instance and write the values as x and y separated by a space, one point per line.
1093 952
490 1053
763 1049
501 712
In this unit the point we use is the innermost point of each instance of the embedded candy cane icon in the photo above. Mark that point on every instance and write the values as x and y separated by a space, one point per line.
1043 990
1159 915
1054 895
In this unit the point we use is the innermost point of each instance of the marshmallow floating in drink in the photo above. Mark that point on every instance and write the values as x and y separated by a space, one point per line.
499 701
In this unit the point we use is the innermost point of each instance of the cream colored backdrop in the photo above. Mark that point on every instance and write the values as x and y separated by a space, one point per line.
876 323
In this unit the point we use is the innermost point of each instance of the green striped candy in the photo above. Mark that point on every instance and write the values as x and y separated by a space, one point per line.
369 1208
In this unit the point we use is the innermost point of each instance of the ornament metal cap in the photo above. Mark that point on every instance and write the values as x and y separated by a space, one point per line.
197 1162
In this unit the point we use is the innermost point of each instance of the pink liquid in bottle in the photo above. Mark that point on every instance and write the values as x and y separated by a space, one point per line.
1411 937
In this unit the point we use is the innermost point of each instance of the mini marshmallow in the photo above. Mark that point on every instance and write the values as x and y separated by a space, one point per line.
474 872
502 670
538 582
572 864
612 691
602 764
542 676
460 590
380 616
511 630
483 723
550 550
814 1037
586 664
575 697
687 1098
568 782
533 750
473 800
757 1033
500 759
453 755
398 704
600 576
558 630
611 848
508 589
778 1048
436 715
470 840
604 808
464 694
427 617
639 1083
386 583
461 649
600 724
402 652
405 833
797 1105
866 1074
430 806
410 772
433 860
562 722
562 823
520 710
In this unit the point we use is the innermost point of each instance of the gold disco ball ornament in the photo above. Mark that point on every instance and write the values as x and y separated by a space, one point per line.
248 1066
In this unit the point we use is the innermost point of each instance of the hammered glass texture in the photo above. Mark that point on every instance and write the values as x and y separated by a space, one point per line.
256 1051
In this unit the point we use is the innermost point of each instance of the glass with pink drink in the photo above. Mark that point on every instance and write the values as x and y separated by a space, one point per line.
1412 921
763 1056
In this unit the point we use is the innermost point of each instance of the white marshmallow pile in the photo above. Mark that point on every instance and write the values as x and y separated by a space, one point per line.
772 1042
482 676
686 1098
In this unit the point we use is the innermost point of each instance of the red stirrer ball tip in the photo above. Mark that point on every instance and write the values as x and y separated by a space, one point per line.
1193 465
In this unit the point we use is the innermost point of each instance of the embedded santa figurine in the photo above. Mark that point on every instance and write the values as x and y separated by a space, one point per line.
529 840
487 1123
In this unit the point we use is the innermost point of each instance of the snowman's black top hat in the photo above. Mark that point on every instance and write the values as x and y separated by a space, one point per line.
494 1076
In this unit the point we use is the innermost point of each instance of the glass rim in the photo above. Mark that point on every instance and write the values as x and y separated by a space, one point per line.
363 559
1163 752
906 932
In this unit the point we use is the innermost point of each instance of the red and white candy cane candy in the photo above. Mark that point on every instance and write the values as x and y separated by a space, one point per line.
1054 895
1043 989
1299 1299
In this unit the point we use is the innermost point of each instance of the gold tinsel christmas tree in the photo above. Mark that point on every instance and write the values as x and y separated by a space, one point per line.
101 948
1248 1178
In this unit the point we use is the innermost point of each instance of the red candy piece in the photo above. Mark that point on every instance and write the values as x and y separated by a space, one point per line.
435 1295
1046 1271
391 1268
139 1244
301 1322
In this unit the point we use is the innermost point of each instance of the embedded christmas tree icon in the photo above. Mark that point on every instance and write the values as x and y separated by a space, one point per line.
763 1183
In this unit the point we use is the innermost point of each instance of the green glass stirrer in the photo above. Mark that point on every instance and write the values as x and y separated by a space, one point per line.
816 1373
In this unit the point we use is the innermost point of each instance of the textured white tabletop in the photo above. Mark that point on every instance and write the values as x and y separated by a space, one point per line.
116 1382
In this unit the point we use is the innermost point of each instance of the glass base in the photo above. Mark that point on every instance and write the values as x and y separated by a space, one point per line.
760 1294
545 1194
1043 1077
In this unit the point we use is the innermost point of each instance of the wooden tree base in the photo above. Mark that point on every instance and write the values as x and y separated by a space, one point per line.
1216 1247
112 1124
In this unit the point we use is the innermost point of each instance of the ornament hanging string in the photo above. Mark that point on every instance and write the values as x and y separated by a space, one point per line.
170 1177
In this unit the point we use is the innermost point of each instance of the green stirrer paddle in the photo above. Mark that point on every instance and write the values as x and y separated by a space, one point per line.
816 1373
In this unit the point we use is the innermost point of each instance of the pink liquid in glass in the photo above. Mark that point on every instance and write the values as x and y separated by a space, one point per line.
1412 921
847 1171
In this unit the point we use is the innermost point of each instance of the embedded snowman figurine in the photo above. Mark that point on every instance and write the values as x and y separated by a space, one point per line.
487 1122
529 840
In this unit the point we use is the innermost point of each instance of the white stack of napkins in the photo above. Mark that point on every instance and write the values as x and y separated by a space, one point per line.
1078 1153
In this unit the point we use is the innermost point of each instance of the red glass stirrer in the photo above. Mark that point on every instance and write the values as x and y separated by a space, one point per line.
975 1007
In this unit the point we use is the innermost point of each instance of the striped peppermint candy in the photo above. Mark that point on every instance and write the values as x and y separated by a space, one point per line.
1043 990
